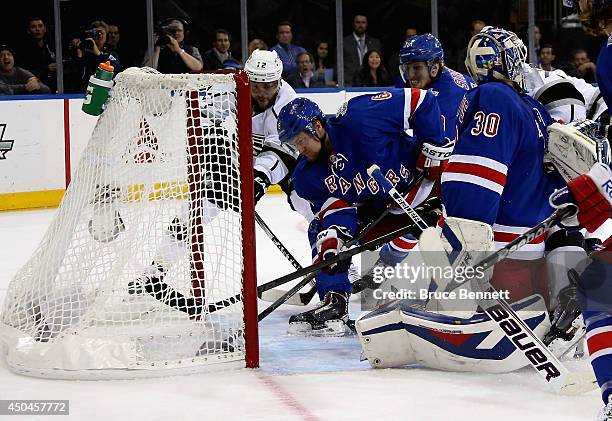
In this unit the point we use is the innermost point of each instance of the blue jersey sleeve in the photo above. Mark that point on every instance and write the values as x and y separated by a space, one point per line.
604 73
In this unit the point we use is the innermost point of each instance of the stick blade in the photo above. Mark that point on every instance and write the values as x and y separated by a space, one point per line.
579 382
274 294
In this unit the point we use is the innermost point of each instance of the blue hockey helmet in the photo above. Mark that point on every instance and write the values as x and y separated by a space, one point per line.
425 47
495 53
297 116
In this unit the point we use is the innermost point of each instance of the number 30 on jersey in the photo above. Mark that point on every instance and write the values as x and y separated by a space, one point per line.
488 124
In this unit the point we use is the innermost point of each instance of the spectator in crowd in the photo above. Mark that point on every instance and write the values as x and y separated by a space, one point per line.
286 51
324 64
257 44
171 53
305 77
36 55
213 59
113 37
372 71
356 46
113 41
583 67
537 36
477 25
15 80
88 52
547 56
393 63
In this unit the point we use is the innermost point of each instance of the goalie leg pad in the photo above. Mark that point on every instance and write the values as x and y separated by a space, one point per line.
464 243
395 336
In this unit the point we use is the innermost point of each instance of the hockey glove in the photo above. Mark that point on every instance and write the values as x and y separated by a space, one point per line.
261 184
591 193
329 244
434 159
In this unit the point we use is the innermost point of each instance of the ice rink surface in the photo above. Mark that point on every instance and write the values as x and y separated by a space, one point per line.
300 378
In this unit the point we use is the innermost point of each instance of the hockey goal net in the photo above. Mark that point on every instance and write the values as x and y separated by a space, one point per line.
148 267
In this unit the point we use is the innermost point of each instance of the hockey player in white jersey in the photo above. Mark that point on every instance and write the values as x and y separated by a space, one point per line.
273 163
565 97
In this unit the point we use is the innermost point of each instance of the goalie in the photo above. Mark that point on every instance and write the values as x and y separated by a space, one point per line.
502 139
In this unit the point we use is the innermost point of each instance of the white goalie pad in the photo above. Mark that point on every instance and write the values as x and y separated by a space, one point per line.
402 334
574 148
463 244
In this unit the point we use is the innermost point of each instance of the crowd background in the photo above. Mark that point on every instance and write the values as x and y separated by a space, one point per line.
212 37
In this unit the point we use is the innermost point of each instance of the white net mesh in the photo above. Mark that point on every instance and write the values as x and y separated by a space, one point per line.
146 247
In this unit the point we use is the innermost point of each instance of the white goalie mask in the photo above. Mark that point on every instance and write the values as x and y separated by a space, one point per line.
264 66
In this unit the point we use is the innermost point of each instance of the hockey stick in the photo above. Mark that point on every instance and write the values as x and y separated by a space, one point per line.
272 295
166 294
427 207
305 297
313 269
541 358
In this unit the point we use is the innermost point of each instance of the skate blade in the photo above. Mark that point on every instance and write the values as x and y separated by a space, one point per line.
331 328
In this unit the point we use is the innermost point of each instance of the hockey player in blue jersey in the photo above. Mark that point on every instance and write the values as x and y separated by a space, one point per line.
502 138
422 66
494 189
595 283
391 129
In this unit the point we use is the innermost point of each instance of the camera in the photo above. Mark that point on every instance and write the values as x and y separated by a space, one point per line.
164 32
88 33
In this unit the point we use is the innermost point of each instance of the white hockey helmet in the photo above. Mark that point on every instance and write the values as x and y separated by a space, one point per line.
264 66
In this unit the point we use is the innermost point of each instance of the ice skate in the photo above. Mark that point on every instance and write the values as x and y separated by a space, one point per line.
606 412
329 318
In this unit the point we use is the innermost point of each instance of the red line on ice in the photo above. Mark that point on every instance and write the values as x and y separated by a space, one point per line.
286 398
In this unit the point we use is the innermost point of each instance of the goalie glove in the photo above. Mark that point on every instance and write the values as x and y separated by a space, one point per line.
261 184
434 159
329 244
592 195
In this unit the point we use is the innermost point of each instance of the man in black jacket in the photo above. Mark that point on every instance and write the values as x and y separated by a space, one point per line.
213 59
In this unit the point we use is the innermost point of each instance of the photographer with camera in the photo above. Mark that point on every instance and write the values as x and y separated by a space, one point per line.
171 54
88 51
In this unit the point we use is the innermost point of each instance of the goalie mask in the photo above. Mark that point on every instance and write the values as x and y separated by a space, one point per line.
495 53
572 149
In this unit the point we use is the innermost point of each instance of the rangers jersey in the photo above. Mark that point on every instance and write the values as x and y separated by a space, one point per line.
387 129
449 89
604 72
495 174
